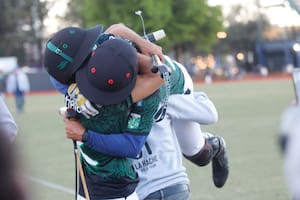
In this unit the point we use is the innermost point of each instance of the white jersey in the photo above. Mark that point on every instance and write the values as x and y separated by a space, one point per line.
7 123
17 76
160 162
290 125
160 154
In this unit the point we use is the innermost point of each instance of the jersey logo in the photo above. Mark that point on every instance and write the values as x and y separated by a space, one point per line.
62 65
134 121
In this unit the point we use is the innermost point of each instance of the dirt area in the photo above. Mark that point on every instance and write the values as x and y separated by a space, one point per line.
252 77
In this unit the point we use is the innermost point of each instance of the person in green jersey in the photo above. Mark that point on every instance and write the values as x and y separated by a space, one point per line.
110 177
102 91
91 87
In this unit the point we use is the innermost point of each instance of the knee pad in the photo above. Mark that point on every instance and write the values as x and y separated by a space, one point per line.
206 154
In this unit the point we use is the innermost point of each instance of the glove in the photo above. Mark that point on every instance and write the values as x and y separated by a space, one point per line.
162 68
158 66
74 99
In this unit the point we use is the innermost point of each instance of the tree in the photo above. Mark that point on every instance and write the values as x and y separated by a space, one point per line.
21 25
244 32
245 28
189 24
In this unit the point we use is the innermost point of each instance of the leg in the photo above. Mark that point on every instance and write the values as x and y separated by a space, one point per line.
214 150
19 103
189 136
202 148
186 110
22 102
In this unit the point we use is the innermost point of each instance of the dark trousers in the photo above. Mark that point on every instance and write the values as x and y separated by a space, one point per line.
20 101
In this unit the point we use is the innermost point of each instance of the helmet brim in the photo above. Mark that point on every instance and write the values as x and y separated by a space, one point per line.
87 45
98 96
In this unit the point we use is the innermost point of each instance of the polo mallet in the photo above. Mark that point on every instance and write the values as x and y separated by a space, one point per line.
152 37
158 66
72 115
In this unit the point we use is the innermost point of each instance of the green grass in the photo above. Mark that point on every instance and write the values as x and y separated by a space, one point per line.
249 114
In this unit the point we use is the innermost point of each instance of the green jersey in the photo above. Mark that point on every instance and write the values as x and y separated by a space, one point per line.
135 118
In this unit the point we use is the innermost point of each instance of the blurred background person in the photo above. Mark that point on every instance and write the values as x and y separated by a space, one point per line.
2 84
12 182
7 123
289 140
17 83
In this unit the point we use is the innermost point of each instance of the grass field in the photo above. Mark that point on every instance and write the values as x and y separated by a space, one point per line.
249 115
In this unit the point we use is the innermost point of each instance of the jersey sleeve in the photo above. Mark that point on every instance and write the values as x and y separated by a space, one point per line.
105 36
118 144
195 107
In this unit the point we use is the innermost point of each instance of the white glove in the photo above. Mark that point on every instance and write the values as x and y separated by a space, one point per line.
74 99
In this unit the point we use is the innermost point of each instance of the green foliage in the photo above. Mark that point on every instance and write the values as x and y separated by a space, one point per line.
21 22
188 24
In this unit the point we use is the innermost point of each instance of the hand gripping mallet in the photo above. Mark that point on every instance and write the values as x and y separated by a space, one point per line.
71 114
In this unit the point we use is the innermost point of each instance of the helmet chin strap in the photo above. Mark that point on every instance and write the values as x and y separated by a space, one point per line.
58 51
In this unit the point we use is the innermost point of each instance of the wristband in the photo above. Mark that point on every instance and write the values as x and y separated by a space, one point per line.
85 136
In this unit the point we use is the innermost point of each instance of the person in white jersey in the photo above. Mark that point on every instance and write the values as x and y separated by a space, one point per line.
290 145
160 167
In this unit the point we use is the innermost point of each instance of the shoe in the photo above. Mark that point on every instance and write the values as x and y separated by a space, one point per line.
220 166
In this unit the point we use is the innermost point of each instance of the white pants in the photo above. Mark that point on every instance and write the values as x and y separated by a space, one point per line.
188 112
133 196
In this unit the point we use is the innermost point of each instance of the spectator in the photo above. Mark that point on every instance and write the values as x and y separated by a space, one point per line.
18 84
290 145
